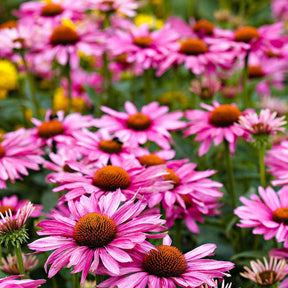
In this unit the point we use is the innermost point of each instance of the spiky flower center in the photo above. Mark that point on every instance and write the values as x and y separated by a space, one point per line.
224 115
165 261
50 128
2 151
280 215
4 209
246 34
272 54
193 47
260 128
204 26
255 71
110 146
64 35
8 25
172 176
138 122
151 160
94 230
51 10
110 178
187 201
267 277
143 41
67 168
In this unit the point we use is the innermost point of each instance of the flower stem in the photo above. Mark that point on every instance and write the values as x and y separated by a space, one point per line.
69 89
0 254
178 234
76 281
244 84
262 165
20 260
32 86
147 81
230 180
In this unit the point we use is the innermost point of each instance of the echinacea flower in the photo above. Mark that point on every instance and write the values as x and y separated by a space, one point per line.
18 152
266 273
12 228
274 104
268 215
10 264
266 123
96 230
12 203
216 124
165 267
280 9
10 282
153 123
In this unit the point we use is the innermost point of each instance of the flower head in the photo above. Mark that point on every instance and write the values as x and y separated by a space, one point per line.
268 215
266 273
165 266
96 230
9 75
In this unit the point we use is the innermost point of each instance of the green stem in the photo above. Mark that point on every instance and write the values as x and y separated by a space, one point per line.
32 86
54 282
190 8
20 260
245 77
76 281
178 234
230 178
69 88
262 165
0 254
147 81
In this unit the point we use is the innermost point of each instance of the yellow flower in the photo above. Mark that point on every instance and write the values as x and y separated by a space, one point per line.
156 2
60 102
152 22
8 75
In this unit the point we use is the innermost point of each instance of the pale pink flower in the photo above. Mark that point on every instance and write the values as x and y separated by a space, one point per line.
266 123
274 104
266 273
153 123
14 205
206 87
216 124
96 230
280 9
18 152
59 128
10 282
277 162
268 215
165 267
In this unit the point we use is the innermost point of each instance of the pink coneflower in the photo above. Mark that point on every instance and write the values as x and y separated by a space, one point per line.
104 148
58 128
266 123
274 104
216 124
143 48
18 152
277 162
280 9
10 282
10 264
130 177
153 123
14 205
165 267
267 273
96 230
268 214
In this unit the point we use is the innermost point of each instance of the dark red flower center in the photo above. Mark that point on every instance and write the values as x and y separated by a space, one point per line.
165 261
67 168
255 72
2 151
143 41
138 122
187 201
122 58
151 160
8 25
50 128
281 215
193 47
64 35
224 115
110 178
204 26
272 54
110 146
94 230
267 276
246 34
51 10
172 176
4 209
